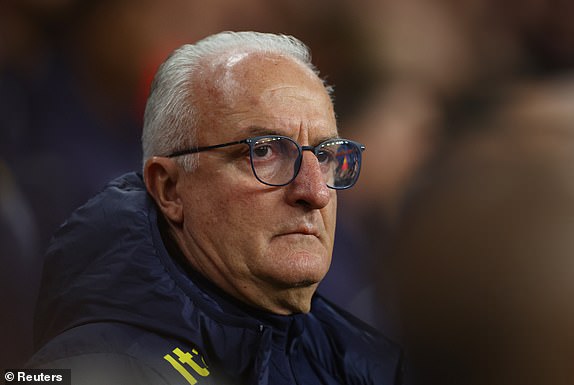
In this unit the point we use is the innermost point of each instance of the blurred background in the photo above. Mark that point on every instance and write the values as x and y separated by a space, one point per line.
410 76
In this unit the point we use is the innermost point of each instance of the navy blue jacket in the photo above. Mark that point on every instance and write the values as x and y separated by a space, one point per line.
115 303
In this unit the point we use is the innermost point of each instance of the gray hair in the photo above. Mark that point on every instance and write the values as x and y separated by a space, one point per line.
171 114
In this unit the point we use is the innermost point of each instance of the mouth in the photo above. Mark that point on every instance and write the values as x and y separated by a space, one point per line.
303 230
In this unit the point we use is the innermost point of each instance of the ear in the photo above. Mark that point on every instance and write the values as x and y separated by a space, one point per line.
161 176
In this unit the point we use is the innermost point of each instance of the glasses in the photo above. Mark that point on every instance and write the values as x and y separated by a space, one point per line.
276 160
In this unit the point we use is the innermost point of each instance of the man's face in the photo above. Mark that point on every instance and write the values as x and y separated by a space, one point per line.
268 245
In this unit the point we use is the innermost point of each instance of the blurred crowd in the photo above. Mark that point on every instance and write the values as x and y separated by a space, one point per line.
410 76
483 260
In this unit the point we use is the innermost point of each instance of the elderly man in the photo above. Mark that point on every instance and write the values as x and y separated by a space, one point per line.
205 270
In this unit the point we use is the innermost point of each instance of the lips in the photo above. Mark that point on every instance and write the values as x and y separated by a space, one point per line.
304 230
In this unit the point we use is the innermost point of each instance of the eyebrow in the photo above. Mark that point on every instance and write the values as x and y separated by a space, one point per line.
260 131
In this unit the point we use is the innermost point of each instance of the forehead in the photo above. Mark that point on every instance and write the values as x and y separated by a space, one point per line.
264 90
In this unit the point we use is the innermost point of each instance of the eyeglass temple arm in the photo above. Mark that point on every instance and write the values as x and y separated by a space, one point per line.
194 150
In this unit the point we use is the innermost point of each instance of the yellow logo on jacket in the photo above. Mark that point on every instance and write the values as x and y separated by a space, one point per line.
191 360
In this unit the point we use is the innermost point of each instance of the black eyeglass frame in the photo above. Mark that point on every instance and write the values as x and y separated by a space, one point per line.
251 141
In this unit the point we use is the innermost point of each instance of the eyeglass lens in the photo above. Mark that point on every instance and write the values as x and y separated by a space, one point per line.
276 161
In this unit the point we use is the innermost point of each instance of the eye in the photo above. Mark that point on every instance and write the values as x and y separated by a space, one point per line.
263 151
325 155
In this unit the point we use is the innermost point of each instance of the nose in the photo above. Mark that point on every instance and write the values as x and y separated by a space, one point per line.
309 188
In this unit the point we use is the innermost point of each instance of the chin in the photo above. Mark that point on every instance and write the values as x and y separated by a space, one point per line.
294 281
295 268
300 278
305 283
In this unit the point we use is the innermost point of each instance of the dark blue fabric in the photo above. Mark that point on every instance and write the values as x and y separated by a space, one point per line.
110 286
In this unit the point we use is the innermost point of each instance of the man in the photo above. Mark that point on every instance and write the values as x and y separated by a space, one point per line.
206 270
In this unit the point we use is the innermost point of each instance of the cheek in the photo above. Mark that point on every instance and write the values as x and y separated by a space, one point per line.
232 217
205 211
329 214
